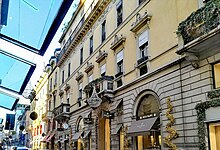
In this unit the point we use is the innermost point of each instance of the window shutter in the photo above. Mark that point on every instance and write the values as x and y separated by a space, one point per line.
119 56
143 38
90 78
80 86
103 68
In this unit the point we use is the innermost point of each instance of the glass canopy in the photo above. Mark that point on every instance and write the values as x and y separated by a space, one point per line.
15 72
31 24
8 102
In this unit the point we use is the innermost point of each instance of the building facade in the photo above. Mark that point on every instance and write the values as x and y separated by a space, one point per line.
128 68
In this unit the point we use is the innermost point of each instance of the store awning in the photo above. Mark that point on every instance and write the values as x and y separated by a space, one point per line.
142 126
117 129
77 135
31 24
50 137
7 101
15 72
86 134
114 105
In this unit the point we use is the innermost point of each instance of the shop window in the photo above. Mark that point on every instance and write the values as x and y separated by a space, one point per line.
214 136
148 108
121 139
216 69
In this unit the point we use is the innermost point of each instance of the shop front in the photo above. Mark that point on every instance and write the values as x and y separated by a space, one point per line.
146 129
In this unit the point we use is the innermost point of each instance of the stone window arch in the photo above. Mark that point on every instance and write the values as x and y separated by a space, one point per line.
146 104
80 125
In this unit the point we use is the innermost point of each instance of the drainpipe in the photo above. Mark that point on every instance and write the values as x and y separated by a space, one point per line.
181 94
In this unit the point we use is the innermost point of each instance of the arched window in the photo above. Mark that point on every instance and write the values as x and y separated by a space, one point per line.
147 107
146 128
80 125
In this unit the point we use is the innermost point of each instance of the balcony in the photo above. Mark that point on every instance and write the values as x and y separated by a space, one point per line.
103 85
62 112
198 35
142 60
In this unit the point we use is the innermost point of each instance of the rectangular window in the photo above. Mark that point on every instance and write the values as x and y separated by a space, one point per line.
49 106
68 98
81 56
217 75
119 13
90 78
103 70
103 31
80 95
54 101
55 78
143 44
62 76
91 45
119 61
143 70
141 1
51 80
69 65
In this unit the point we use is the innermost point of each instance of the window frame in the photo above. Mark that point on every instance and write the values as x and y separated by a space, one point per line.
119 11
103 31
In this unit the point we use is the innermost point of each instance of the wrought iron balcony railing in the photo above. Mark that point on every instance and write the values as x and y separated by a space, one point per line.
200 22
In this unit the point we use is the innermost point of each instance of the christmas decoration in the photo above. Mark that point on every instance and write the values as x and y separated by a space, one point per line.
172 133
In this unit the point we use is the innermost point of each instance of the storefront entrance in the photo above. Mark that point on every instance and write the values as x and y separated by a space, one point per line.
214 136
103 134
145 130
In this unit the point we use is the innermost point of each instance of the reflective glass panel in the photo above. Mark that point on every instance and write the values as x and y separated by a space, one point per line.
7 102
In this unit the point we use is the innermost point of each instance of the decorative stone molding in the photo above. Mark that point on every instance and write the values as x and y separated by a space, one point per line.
79 76
89 67
140 21
48 68
192 58
52 60
117 42
54 92
61 93
102 55
67 87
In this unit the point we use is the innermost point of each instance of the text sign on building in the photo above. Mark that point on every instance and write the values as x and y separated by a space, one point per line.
94 101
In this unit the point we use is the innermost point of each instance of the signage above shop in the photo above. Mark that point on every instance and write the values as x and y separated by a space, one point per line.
94 101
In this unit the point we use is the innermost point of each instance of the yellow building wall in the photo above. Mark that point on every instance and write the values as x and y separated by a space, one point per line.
162 39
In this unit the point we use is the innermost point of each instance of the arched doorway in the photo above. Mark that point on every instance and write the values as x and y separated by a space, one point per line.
146 130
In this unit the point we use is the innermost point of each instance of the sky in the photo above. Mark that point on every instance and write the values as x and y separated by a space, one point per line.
38 60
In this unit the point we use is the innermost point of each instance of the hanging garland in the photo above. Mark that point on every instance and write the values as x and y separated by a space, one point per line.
173 133
201 108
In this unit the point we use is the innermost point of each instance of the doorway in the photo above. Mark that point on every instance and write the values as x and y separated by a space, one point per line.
103 134
214 135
